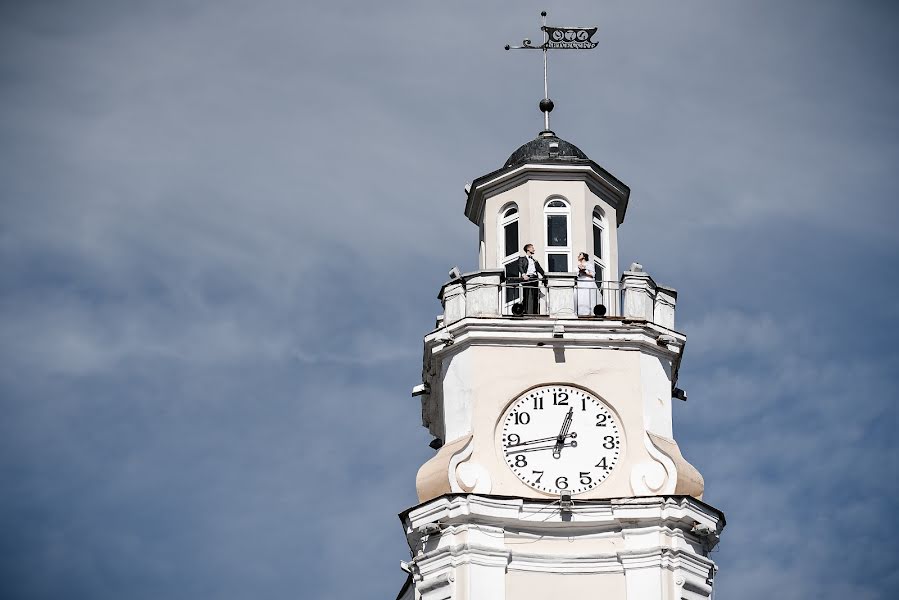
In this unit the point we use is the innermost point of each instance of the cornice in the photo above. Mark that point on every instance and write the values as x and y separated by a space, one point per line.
630 513
500 532
612 334
615 192
512 558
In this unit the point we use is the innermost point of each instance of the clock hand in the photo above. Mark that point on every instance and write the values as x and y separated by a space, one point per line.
540 441
563 433
514 450
548 439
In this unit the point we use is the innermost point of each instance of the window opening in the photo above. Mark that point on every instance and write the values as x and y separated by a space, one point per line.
508 251
600 245
558 236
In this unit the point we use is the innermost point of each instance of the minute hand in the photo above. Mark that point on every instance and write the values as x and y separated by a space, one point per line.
514 450
540 441
554 438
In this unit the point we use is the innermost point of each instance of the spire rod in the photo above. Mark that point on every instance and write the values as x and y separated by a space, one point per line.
556 38
545 76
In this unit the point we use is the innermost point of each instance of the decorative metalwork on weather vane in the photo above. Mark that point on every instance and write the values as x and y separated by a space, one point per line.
557 38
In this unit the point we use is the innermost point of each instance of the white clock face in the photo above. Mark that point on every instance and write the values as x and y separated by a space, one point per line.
560 439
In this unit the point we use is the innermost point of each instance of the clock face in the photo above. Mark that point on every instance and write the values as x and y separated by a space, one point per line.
559 438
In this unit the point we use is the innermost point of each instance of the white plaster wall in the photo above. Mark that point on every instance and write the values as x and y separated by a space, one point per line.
531 197
458 395
541 586
479 388
655 379
644 583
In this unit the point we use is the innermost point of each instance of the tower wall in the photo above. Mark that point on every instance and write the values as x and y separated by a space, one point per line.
490 364
526 498
530 197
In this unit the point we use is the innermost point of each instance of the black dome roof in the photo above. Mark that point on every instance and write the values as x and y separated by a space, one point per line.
546 146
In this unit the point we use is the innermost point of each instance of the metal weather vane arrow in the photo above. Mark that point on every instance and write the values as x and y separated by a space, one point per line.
557 38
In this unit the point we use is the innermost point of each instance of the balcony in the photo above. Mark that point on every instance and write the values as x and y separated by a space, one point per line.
488 294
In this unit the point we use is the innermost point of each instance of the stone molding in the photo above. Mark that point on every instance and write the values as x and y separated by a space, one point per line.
538 515
635 538
597 179
624 334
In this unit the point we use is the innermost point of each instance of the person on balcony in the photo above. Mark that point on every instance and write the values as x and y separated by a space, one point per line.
586 285
530 271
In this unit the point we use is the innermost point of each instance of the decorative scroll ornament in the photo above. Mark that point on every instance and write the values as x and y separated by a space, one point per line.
467 476
655 476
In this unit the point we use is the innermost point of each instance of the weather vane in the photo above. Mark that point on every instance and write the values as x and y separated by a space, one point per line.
557 38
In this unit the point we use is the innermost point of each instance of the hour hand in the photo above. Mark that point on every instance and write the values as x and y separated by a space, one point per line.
563 433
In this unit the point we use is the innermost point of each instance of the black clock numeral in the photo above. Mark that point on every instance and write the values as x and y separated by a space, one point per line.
560 399
585 477
601 420
583 404
538 403
514 439
608 442
520 460
602 464
538 478
562 483
522 418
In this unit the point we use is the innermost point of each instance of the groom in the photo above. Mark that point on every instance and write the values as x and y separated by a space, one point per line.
529 269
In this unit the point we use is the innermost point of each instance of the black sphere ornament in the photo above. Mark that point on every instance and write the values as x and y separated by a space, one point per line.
546 105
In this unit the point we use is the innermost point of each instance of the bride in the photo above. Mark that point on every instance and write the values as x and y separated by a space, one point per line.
586 285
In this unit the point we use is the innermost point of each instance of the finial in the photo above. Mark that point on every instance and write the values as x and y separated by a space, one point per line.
556 38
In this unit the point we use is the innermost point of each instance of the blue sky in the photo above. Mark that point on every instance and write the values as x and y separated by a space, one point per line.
224 225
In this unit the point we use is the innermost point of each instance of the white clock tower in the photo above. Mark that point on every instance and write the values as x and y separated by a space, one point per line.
557 474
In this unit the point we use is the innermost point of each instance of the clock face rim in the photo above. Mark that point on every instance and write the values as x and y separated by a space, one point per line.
553 491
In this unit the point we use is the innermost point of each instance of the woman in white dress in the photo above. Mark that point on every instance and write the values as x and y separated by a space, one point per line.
586 285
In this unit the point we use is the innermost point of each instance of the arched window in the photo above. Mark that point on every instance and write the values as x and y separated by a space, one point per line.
600 248
558 235
508 247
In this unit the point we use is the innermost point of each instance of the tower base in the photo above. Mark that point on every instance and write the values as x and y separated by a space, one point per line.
478 547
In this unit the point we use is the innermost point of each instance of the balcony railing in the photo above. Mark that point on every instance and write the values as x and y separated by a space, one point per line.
558 296
590 298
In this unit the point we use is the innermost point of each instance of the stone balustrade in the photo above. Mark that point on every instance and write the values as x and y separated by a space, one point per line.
488 294
643 298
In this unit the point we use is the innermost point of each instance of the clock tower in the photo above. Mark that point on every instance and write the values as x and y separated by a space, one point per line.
548 384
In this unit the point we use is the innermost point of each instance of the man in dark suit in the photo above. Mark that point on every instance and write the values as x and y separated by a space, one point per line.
530 271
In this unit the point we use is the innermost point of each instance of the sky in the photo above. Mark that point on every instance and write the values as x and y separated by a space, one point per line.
224 225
